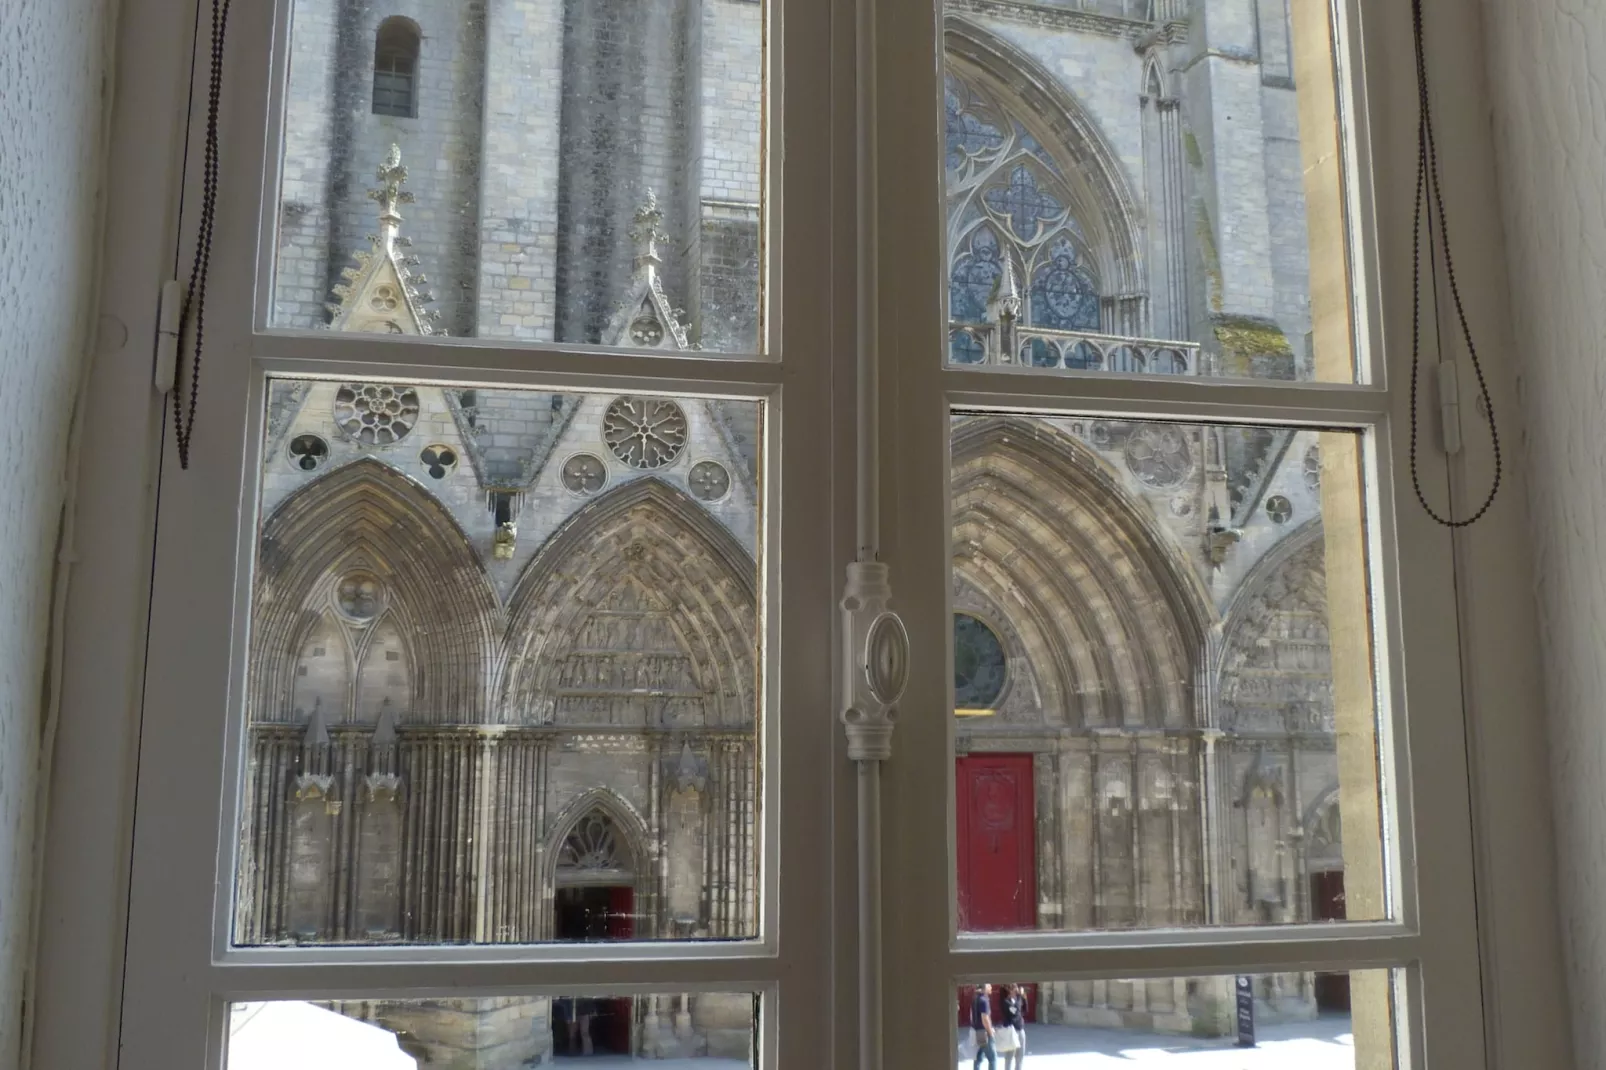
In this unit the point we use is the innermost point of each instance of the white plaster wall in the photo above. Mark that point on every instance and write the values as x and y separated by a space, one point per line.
51 71
1550 126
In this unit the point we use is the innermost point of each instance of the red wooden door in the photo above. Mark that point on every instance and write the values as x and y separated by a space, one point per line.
618 1014
621 912
997 842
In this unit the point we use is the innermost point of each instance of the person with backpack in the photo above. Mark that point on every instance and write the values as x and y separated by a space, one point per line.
981 1020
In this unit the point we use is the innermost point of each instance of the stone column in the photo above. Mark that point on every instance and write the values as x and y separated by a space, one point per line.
1178 317
1225 113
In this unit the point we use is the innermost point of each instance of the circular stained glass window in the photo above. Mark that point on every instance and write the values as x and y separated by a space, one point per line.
979 664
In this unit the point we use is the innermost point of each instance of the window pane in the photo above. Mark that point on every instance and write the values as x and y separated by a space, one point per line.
586 171
1313 1021
1169 208
504 668
1162 676
706 1030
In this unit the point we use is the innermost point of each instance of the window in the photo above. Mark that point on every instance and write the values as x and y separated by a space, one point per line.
396 68
505 729
498 606
1183 774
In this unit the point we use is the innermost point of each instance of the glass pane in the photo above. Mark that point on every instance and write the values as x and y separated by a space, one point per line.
1162 676
705 1030
588 171
1173 207
503 669
1277 1021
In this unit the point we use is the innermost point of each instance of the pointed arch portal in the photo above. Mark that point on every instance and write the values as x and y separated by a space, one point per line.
639 612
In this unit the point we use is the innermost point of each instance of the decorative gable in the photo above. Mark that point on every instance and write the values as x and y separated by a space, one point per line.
381 294
645 319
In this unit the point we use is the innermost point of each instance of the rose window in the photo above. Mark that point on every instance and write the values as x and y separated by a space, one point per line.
709 481
645 433
584 473
376 414
1158 456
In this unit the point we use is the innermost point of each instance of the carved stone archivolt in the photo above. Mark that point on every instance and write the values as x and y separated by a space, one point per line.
422 568
1276 669
641 610
1110 617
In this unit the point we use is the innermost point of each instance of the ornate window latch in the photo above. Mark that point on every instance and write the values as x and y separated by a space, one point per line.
877 657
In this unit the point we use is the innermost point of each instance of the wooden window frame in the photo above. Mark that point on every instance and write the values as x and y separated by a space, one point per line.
76 1012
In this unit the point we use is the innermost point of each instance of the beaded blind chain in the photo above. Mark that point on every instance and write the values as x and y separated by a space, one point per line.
1430 202
195 295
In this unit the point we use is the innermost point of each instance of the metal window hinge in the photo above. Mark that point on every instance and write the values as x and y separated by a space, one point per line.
169 317
1449 408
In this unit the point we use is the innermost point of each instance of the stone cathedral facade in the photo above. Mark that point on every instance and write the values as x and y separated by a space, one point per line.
504 668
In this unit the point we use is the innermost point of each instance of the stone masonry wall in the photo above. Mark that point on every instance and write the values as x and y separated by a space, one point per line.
301 281
623 132
334 143
723 294
519 196
440 146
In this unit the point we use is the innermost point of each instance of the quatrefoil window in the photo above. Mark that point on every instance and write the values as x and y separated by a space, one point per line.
709 481
584 473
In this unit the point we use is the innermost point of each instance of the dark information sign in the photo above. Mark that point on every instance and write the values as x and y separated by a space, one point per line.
1246 1012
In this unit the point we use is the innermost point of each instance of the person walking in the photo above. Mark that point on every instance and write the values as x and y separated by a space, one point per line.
1013 1005
981 1020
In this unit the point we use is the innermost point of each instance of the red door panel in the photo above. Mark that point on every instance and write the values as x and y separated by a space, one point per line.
618 1013
997 828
